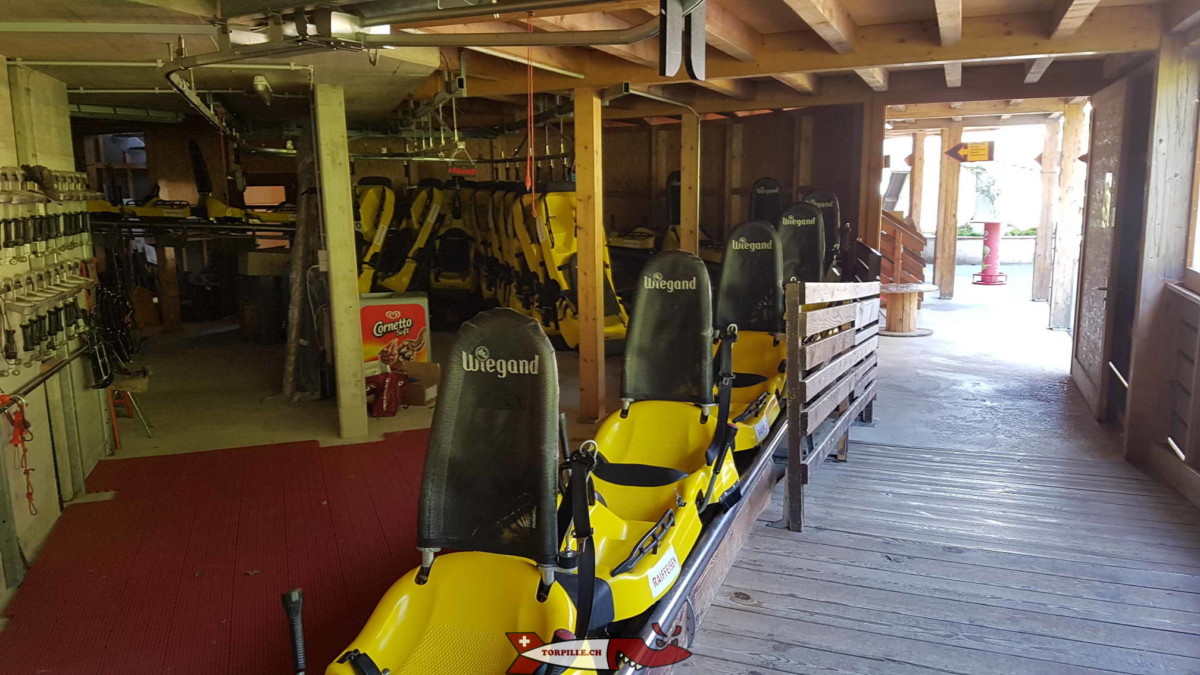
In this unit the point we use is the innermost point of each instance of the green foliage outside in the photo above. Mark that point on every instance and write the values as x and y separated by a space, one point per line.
968 230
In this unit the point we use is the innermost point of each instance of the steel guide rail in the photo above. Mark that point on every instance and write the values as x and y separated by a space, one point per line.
668 610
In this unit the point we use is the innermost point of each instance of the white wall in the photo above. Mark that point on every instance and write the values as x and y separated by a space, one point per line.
1013 250
70 423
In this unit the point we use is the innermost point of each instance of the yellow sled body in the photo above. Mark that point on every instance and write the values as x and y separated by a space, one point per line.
456 622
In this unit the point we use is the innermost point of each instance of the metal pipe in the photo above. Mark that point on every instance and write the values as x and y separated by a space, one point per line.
40 379
115 28
387 18
577 38
401 157
163 90
626 89
155 64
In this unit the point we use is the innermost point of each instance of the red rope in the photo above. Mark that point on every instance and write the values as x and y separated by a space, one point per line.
20 437
531 128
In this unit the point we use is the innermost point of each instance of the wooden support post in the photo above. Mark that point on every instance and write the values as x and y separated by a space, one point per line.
1164 257
307 220
947 228
168 287
659 168
803 174
871 209
589 216
689 183
797 470
1068 221
916 180
337 214
1043 246
735 205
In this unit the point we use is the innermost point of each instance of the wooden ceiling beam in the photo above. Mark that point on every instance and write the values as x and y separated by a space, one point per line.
1037 69
1110 30
805 83
975 109
609 6
644 53
953 74
902 127
741 89
1068 15
729 34
984 83
876 78
950 21
829 19
1182 15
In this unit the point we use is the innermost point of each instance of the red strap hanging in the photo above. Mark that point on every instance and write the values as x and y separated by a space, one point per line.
20 437
531 127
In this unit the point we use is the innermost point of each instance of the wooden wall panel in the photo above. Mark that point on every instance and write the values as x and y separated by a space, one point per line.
837 142
39 115
169 164
70 433
8 135
637 161
1163 258
712 180
628 165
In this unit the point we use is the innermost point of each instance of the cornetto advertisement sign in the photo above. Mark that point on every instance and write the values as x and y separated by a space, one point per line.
395 330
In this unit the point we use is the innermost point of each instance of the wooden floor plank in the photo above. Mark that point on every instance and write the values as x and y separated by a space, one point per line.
979 459
899 655
1137 556
1025 475
995 559
745 591
1042 487
1154 518
1121 533
987 576
789 565
966 561
759 653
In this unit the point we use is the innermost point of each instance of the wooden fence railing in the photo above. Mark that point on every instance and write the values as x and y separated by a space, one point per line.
832 333
903 248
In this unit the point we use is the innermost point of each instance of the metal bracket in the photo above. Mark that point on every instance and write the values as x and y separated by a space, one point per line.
681 38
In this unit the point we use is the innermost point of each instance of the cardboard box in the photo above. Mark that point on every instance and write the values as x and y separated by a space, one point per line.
269 262
422 383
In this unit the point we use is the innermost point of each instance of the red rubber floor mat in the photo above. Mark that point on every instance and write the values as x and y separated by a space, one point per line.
182 571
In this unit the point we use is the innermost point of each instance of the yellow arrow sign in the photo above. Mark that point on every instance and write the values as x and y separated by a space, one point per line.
973 152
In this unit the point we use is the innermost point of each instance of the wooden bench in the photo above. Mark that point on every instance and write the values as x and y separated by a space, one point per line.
832 342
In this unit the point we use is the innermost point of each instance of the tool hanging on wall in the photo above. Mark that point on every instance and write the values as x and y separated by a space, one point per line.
21 436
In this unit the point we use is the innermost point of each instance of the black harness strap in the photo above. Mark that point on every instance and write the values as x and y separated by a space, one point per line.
725 379
360 662
638 475
724 436
582 463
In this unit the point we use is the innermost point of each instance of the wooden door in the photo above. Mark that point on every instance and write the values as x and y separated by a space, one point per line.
1108 176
